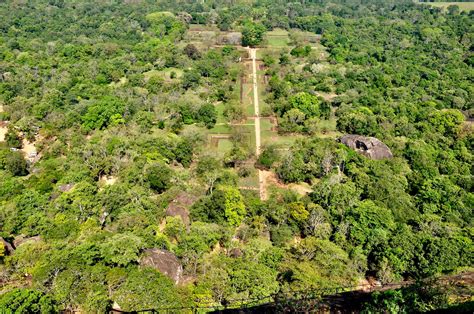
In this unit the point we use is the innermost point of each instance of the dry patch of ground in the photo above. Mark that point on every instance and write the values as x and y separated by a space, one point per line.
108 180
271 179
29 149
327 96
3 130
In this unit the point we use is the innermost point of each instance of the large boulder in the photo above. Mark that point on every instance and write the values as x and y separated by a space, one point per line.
179 206
8 248
21 239
370 147
163 261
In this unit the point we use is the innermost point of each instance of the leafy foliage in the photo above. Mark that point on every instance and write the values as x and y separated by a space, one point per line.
123 103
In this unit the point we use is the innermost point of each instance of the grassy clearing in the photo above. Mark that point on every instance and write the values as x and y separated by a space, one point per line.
274 51
277 41
250 121
304 36
270 137
165 73
248 132
250 181
202 27
464 6
220 107
221 129
266 124
286 140
247 101
201 35
224 146
277 38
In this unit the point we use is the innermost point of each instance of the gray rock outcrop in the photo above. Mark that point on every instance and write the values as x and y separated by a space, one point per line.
370 147
163 261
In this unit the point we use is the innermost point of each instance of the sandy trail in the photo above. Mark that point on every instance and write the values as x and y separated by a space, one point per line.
3 127
261 179
3 131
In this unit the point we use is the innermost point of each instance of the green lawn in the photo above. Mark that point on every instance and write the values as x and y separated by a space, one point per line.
277 41
277 38
220 112
165 73
247 102
265 125
249 132
224 146
221 129
274 51
250 121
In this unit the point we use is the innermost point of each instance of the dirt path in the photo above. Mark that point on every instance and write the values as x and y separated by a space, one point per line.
261 179
3 127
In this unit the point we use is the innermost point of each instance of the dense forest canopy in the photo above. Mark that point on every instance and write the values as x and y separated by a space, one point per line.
109 112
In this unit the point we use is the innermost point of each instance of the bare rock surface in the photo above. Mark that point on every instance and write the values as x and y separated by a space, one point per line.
21 239
163 261
370 147
7 246
179 206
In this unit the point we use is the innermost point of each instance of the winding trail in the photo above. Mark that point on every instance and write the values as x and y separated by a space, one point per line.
261 181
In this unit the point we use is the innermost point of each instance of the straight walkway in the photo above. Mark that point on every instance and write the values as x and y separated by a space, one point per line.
253 56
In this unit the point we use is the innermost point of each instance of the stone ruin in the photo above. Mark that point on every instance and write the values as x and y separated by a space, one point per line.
370 147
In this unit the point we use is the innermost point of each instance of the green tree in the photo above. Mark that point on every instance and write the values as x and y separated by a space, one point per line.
13 162
208 115
252 34
369 224
446 122
166 24
234 207
130 292
192 52
121 249
159 177
306 103
268 157
104 112
13 139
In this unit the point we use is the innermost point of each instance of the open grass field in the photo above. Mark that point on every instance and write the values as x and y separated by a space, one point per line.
278 41
202 27
464 6
277 38
251 180
305 36
224 146
248 134
165 73
220 107
247 99
221 129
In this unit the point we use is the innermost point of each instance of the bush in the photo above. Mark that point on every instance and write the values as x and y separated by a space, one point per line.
159 177
27 301
268 157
